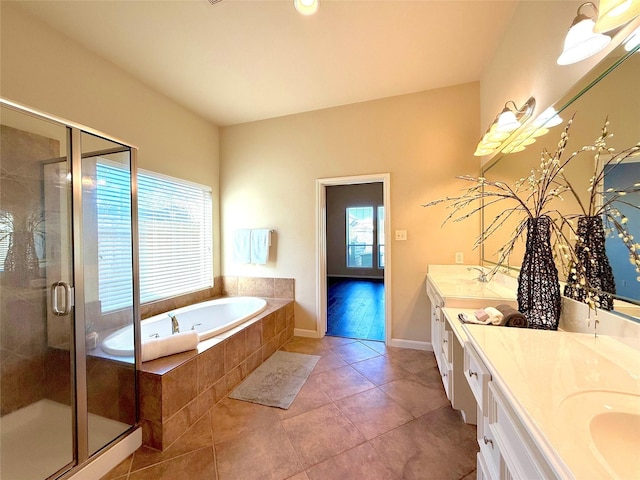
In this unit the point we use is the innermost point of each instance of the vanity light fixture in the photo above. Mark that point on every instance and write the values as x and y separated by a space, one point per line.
632 40
581 41
615 13
507 122
539 126
306 7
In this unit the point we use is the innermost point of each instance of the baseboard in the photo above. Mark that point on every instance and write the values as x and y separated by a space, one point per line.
413 344
303 332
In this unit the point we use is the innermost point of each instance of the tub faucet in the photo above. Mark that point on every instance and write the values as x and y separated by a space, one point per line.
175 328
482 277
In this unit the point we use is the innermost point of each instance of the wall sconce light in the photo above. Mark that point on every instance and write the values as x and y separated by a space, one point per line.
581 41
538 127
633 40
306 7
507 122
615 13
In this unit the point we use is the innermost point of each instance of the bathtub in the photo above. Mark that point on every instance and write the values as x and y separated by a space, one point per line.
209 319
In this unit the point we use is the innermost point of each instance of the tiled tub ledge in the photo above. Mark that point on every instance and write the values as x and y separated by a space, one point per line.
175 391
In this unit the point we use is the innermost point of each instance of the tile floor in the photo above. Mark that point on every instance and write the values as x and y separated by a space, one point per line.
367 412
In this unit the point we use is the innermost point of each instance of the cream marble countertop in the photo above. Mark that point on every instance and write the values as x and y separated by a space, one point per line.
562 385
458 283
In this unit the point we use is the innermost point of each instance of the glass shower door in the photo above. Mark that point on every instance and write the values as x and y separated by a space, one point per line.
108 287
37 401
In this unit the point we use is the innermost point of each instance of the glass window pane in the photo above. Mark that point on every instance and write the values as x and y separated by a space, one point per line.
359 237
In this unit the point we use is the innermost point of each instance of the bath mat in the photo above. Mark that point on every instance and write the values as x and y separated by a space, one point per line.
277 381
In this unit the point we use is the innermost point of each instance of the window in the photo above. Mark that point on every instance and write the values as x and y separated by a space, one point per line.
361 228
174 221
175 237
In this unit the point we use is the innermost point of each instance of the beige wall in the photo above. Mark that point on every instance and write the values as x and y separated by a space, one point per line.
525 65
268 179
43 69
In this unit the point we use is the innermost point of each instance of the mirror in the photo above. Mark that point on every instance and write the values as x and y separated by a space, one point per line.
610 91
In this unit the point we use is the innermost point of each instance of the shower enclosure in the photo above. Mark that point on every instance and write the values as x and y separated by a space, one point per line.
67 279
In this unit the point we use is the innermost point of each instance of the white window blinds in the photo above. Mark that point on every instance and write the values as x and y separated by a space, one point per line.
175 235
174 222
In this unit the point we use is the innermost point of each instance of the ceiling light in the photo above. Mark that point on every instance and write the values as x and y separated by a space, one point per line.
615 13
632 40
306 7
581 42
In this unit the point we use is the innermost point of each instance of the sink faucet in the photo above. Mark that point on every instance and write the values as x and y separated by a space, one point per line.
175 328
482 277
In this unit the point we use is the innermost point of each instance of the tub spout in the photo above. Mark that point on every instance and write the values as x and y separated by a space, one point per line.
175 328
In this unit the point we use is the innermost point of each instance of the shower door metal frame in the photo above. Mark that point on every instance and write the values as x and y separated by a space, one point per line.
79 397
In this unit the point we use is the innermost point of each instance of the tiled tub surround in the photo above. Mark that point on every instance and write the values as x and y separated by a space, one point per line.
177 390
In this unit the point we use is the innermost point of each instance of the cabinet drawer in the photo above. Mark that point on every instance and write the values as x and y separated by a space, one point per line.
488 446
447 379
447 345
520 456
477 375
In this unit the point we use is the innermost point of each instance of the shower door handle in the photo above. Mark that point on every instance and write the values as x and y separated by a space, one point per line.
67 295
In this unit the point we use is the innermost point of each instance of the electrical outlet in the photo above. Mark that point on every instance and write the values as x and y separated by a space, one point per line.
459 257
401 234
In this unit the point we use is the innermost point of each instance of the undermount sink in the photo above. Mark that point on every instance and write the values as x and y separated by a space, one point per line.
616 435
607 423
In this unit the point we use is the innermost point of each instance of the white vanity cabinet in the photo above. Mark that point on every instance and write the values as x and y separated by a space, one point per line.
451 290
506 450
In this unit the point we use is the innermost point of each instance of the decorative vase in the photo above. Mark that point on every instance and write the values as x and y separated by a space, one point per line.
592 272
538 286
21 261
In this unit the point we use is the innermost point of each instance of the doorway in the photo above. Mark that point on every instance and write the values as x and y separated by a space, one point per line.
353 261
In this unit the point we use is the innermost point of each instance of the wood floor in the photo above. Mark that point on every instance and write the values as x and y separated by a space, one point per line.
355 308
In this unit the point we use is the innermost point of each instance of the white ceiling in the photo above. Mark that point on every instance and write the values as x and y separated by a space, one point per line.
239 61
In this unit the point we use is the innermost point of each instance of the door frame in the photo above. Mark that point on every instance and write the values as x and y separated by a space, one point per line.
321 245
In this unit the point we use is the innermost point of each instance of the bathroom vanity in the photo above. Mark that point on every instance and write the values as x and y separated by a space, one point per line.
457 286
550 404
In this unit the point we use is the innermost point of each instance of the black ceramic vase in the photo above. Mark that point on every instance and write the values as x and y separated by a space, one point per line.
592 265
538 286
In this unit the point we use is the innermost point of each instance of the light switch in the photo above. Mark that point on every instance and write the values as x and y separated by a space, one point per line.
401 234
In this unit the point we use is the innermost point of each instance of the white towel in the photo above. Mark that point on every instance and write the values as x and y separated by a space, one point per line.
242 246
260 240
495 315
161 347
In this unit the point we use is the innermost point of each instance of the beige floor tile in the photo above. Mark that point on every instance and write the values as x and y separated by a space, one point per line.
415 396
199 435
438 445
340 382
379 347
312 346
299 476
373 413
231 418
336 341
329 361
414 361
361 462
195 465
354 352
308 398
321 433
380 370
264 454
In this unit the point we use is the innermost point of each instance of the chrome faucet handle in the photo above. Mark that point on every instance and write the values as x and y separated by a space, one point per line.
482 277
